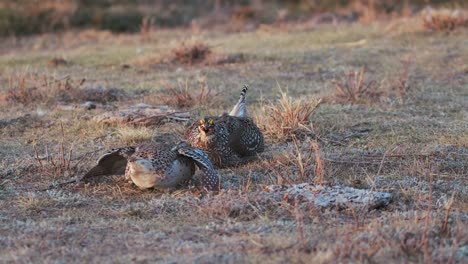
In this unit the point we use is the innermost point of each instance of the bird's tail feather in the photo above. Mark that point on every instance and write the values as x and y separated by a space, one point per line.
240 109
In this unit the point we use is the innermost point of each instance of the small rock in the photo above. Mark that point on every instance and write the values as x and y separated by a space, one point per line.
89 105
41 112
65 107
142 106
326 196
461 253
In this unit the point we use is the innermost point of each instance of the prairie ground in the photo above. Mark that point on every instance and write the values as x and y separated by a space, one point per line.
393 118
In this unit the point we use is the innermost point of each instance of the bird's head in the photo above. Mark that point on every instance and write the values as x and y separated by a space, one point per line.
206 125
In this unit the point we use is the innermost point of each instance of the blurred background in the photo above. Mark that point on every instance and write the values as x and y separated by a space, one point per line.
25 17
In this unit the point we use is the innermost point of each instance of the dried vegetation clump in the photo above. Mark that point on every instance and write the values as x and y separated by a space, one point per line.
444 19
183 95
191 53
201 53
287 117
352 87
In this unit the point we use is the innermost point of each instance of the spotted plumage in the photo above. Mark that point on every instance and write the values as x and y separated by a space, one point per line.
229 140
157 165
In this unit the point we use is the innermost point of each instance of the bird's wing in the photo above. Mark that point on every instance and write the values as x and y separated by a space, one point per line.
191 132
113 162
210 179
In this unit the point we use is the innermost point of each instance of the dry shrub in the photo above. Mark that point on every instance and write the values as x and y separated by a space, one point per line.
353 88
191 53
183 95
287 117
444 19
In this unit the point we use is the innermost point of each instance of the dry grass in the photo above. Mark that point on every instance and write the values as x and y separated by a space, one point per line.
287 117
402 81
33 203
146 28
56 162
30 88
183 95
299 162
444 19
352 87
191 53
134 135
319 173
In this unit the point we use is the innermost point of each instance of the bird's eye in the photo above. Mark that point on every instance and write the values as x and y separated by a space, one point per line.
211 122
202 121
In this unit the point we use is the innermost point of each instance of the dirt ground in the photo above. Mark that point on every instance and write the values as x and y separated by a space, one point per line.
393 118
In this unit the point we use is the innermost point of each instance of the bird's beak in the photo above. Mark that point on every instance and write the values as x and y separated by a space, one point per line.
203 128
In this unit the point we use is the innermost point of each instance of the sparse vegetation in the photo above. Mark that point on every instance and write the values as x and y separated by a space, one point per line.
352 87
55 162
287 117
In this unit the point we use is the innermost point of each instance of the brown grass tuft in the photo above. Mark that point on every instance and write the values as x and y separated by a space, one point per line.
183 95
287 117
319 175
191 53
402 87
33 203
352 87
444 19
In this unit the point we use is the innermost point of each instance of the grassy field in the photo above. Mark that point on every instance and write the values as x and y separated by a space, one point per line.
403 130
